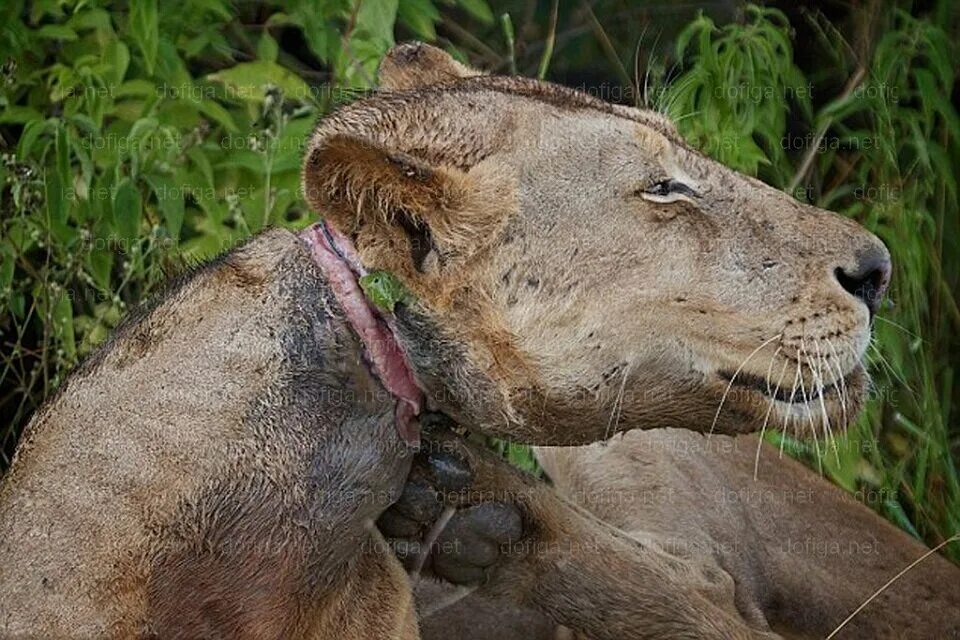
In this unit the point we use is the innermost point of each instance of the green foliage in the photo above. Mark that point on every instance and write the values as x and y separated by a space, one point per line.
384 290
733 100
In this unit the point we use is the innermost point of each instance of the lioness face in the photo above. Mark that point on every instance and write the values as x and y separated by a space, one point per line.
578 270
656 278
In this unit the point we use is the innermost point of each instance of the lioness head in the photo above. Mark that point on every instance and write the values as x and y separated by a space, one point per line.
577 269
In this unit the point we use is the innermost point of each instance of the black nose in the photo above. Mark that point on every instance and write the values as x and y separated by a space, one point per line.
869 279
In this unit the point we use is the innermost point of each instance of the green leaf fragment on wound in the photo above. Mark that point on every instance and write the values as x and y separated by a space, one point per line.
384 290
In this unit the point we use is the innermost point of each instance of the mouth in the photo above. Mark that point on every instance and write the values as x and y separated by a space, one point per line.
335 255
796 395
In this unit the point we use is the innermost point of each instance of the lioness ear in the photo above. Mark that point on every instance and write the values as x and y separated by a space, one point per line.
414 64
405 214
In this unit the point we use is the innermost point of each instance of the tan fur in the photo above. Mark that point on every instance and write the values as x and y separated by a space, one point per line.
626 311
787 551
414 64
803 553
573 569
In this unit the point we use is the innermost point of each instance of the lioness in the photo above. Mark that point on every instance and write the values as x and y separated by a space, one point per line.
216 468
579 270
801 554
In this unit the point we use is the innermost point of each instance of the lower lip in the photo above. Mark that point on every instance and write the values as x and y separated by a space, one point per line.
794 398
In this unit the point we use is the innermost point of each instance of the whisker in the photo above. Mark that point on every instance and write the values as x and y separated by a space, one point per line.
806 402
734 377
788 414
756 459
843 383
900 327
886 364
617 405
640 98
831 439
770 367
458 594
429 540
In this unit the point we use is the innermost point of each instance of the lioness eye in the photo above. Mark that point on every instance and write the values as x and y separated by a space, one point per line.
664 191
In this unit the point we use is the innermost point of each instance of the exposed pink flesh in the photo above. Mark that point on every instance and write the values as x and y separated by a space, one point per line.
342 267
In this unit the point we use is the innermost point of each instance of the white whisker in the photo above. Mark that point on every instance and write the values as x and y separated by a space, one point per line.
889 582
617 409
773 400
843 384
831 439
770 367
734 377
806 402
901 327
888 367
787 415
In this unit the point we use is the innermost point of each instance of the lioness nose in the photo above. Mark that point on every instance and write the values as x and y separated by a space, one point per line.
869 279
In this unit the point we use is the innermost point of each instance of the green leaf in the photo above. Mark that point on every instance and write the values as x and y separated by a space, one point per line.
63 326
201 162
376 19
244 159
7 263
420 16
117 56
145 32
384 290
19 115
31 132
214 111
249 81
56 205
136 88
267 48
479 10
99 265
169 201
90 19
61 145
127 210
55 32
898 516
319 35
171 69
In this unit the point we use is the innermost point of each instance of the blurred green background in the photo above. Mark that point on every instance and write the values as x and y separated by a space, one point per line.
137 138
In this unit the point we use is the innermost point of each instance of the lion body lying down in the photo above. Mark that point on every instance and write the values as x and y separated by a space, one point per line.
802 553
216 468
